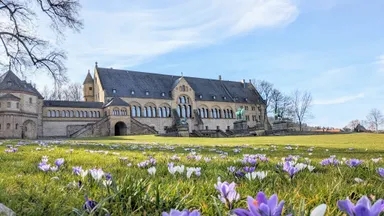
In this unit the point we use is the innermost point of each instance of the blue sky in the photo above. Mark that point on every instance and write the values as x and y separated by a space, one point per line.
333 48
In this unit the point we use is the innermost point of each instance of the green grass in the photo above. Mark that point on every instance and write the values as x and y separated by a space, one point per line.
29 191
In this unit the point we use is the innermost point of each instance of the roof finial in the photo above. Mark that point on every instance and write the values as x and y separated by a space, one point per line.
89 71
95 64
182 75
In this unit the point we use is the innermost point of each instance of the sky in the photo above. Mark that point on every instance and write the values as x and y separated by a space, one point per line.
332 48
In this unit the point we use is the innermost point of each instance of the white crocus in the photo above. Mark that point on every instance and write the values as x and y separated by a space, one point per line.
96 174
301 166
319 210
152 171
190 170
310 168
256 175
83 173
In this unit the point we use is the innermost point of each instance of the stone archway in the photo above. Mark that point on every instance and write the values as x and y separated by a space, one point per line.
29 130
120 129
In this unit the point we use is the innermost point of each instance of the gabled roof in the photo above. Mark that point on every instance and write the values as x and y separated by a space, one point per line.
9 97
134 84
9 81
88 79
116 101
75 104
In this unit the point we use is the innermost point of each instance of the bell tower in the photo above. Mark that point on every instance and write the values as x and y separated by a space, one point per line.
88 88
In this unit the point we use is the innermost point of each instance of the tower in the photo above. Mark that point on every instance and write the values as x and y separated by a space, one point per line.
88 88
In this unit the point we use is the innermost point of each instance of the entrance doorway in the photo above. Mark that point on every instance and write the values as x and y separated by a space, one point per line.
120 129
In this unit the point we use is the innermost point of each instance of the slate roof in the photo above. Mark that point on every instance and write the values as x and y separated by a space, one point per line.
74 104
88 79
126 81
9 97
9 81
116 101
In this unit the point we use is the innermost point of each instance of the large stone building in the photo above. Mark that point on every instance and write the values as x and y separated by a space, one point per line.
122 102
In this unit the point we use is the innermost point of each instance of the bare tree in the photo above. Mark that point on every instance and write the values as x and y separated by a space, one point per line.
353 124
301 102
374 119
74 92
21 48
265 90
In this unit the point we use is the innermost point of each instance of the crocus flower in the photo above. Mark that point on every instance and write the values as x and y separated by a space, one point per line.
108 176
77 170
54 168
59 162
231 169
290 169
380 171
175 212
249 169
319 210
362 208
261 206
44 167
256 175
89 204
152 171
44 159
227 192
353 162
96 174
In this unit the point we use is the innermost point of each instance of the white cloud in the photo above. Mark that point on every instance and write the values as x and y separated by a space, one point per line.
123 35
339 100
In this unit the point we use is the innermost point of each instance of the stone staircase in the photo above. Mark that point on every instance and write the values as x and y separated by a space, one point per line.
140 128
89 129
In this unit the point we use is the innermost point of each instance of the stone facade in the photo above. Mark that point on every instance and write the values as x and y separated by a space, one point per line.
126 107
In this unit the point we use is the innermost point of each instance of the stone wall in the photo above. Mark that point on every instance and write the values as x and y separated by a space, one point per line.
58 128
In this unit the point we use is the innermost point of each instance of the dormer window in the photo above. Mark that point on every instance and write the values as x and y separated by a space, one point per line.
114 91
132 92
163 94
214 97
246 99
201 96
225 98
9 83
147 93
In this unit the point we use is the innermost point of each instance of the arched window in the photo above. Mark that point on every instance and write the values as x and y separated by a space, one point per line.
57 113
145 112
189 111
67 114
81 114
225 114
184 111
71 114
90 114
160 112
154 112
98 114
138 114
77 114
53 113
218 113
63 113
149 110
231 114
179 110
49 113
133 111
85 114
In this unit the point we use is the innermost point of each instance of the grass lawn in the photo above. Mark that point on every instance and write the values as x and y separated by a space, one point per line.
28 190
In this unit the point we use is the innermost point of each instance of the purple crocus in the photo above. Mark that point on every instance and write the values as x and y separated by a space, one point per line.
353 162
290 169
45 167
89 204
261 206
249 169
59 162
227 192
108 176
239 173
380 171
232 169
77 170
175 212
362 208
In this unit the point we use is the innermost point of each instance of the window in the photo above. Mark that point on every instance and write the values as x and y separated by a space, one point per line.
163 94
253 108
49 113
57 113
9 104
90 88
247 117
114 91
200 96
214 97
16 126
8 126
0 126
9 83
132 92
147 93
246 99
63 113
246 107
225 98
77 114
17 105
30 100
0 104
